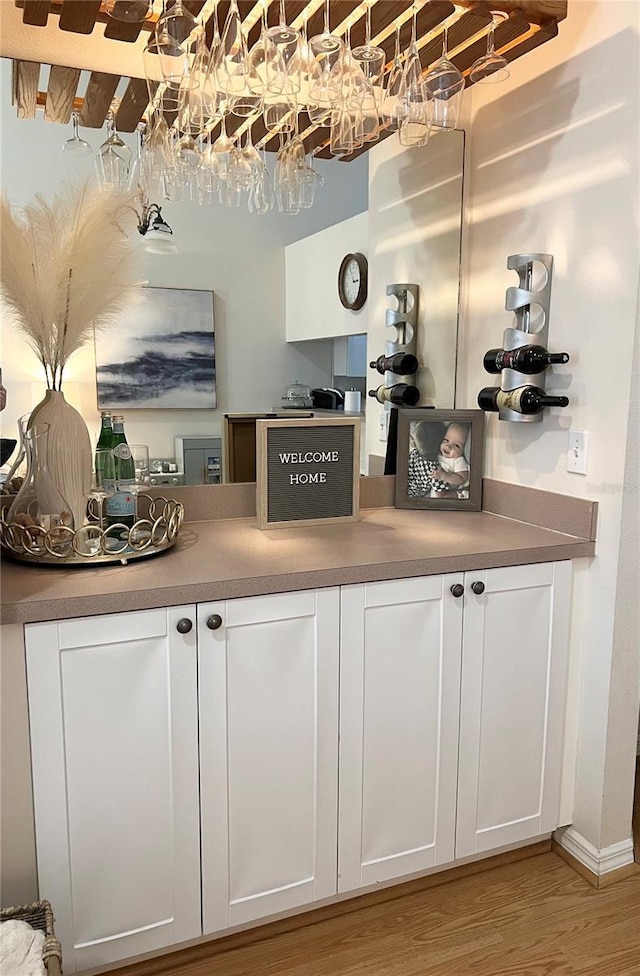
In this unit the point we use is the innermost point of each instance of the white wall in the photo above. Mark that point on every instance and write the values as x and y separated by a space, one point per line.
311 272
415 200
553 166
237 255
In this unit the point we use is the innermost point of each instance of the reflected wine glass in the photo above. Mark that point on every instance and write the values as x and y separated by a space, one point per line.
491 67
99 480
370 57
444 84
76 146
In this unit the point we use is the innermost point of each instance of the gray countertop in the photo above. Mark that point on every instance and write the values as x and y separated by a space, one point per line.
216 560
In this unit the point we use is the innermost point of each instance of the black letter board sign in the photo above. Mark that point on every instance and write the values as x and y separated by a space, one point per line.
308 471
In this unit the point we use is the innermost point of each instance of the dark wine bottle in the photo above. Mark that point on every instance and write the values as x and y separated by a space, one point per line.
524 399
401 394
525 359
402 363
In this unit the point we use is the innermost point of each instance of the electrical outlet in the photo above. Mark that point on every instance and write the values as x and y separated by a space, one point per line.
577 452
383 425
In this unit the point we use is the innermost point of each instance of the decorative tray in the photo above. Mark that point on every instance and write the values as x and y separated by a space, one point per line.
92 544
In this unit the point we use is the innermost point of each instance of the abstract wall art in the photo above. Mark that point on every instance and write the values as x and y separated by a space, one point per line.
160 354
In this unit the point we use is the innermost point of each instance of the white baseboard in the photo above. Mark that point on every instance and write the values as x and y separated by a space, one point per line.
598 861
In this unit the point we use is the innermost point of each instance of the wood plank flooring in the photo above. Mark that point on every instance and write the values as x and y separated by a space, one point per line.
536 917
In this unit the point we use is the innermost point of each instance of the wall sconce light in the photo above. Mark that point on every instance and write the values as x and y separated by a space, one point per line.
158 236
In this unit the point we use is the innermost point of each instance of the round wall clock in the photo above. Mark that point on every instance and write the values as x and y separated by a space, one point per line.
352 281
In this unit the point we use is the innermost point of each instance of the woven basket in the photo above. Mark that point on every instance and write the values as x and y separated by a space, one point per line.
39 915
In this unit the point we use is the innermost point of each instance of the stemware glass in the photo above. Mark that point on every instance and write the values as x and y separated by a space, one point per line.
76 146
444 85
113 161
129 11
286 41
141 477
393 81
266 69
371 58
98 489
22 450
491 67
230 62
326 43
176 23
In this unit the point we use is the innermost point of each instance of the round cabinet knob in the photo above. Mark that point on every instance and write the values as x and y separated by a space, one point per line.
184 625
214 621
457 589
477 587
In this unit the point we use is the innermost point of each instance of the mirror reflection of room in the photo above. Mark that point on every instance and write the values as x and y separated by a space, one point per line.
277 318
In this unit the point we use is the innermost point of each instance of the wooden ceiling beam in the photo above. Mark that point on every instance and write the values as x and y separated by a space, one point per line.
132 106
79 16
35 13
25 77
97 99
61 92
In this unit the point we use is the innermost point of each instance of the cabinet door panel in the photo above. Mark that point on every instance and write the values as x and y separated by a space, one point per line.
114 748
515 652
269 729
400 675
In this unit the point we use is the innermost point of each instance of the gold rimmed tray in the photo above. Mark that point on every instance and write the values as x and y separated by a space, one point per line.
93 545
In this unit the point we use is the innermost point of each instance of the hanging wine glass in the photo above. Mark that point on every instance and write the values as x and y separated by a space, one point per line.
491 67
165 64
280 112
389 103
265 68
113 161
412 104
76 146
230 64
129 11
370 58
326 43
250 155
176 23
286 41
444 85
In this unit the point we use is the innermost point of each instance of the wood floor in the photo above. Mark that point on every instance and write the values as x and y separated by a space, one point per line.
536 917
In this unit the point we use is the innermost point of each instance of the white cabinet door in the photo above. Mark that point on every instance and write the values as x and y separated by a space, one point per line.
114 738
399 701
268 687
514 673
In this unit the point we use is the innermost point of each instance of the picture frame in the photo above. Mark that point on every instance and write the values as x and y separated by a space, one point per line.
308 471
430 476
160 353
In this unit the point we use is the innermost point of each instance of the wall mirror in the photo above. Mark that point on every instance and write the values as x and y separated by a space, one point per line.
240 257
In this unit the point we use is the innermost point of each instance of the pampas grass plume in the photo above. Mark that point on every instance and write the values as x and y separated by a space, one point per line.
66 269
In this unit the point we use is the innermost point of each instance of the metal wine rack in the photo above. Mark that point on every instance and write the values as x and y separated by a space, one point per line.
404 319
531 308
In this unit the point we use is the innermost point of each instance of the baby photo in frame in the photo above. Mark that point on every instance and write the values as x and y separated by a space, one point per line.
439 460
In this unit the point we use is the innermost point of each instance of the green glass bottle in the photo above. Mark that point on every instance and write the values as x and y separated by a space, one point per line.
104 444
119 477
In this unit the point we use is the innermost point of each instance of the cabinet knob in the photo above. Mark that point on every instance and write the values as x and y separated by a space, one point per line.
184 625
214 621
478 587
457 589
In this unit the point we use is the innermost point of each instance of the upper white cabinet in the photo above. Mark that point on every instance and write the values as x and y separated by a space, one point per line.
512 706
313 309
269 753
399 701
114 738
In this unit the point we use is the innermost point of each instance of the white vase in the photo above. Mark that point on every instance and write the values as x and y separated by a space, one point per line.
69 451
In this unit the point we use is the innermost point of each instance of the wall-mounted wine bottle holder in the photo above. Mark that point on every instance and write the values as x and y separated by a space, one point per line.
403 320
531 309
